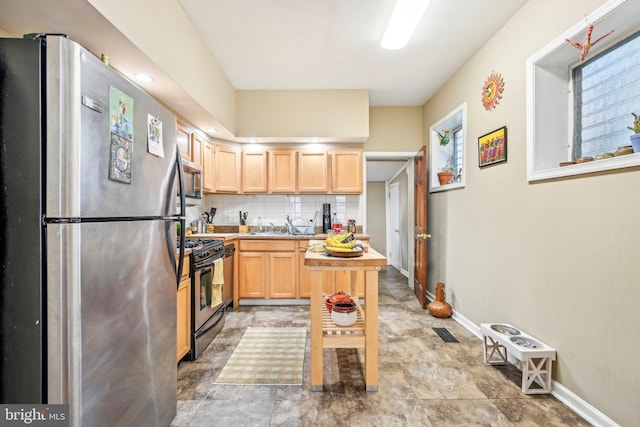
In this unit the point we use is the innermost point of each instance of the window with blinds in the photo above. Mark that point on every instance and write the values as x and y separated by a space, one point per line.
458 151
606 92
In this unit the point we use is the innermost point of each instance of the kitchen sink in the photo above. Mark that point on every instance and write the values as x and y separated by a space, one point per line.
278 233
268 233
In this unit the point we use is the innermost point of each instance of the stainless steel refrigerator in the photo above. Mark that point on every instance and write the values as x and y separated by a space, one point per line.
90 173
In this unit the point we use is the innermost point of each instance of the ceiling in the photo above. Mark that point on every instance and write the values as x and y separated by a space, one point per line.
292 44
383 170
335 44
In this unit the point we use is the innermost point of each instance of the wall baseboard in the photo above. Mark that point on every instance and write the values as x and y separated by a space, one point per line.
560 392
581 407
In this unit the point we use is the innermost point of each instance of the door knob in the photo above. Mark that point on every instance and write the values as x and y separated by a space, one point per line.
423 236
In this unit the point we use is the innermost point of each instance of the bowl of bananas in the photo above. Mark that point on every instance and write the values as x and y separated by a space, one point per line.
343 245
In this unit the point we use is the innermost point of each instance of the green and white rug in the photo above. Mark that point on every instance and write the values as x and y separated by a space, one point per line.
269 356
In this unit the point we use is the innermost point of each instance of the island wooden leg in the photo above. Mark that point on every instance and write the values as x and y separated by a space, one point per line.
371 330
316 330
354 284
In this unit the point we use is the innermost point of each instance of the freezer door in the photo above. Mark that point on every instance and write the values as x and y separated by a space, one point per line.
81 147
112 336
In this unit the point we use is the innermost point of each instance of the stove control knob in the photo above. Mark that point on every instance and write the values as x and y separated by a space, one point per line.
205 254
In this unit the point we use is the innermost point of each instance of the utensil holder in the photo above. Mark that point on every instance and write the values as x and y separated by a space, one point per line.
243 229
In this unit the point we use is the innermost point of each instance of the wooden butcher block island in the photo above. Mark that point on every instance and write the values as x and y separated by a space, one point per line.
364 333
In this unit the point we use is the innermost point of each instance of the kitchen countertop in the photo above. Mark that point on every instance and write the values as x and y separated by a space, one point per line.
267 236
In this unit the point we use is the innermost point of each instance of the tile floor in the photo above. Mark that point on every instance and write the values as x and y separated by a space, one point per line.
423 380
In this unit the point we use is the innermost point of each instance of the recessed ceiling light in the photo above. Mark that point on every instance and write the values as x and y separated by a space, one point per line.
253 140
211 130
144 78
403 22
315 140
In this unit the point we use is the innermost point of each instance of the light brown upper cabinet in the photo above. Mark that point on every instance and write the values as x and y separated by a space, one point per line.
227 161
346 171
184 141
313 171
208 171
197 143
282 171
254 171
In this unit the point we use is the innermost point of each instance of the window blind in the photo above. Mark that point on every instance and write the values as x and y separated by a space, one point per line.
606 92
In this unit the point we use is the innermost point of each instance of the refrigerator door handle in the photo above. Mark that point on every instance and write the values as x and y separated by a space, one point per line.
183 213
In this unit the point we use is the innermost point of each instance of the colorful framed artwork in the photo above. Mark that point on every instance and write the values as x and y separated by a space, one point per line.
492 147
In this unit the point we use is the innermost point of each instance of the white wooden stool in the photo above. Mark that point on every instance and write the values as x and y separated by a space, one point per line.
501 339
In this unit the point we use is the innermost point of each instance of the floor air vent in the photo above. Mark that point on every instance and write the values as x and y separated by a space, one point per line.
445 335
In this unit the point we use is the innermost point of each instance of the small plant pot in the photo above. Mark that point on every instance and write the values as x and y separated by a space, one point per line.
635 142
445 177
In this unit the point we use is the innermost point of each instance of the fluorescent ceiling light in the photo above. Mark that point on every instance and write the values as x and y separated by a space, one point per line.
144 78
403 22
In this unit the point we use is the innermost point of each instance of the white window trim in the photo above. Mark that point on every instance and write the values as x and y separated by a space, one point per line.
434 143
549 102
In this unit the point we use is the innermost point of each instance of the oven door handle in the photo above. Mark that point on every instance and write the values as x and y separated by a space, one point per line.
211 323
207 262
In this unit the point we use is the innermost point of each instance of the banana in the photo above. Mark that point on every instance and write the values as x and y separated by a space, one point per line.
339 249
333 242
339 238
349 245
347 237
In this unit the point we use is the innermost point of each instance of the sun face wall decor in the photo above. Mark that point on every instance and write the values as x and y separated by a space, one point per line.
492 91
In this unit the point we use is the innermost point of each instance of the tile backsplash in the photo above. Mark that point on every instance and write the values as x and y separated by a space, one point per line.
273 208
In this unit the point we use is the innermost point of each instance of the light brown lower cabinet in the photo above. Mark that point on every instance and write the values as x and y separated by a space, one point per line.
304 282
267 269
184 313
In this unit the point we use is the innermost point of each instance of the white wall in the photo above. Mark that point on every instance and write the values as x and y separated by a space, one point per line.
558 258
376 216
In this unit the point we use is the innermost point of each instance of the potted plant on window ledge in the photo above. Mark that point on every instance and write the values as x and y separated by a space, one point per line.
635 138
445 176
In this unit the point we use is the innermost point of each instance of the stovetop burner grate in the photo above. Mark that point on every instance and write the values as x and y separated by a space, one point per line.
202 246
189 243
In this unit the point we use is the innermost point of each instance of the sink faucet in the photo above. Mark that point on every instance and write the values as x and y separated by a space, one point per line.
273 229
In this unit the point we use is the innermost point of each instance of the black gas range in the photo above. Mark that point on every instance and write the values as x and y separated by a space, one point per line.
207 303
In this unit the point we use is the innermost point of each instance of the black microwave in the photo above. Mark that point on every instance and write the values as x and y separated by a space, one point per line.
192 182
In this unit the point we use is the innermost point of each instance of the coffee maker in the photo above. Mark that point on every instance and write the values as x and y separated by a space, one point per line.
326 217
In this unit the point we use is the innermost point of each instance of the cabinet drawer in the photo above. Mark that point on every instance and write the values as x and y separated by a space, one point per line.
267 245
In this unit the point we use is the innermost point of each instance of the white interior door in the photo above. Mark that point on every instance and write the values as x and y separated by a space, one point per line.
394 226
